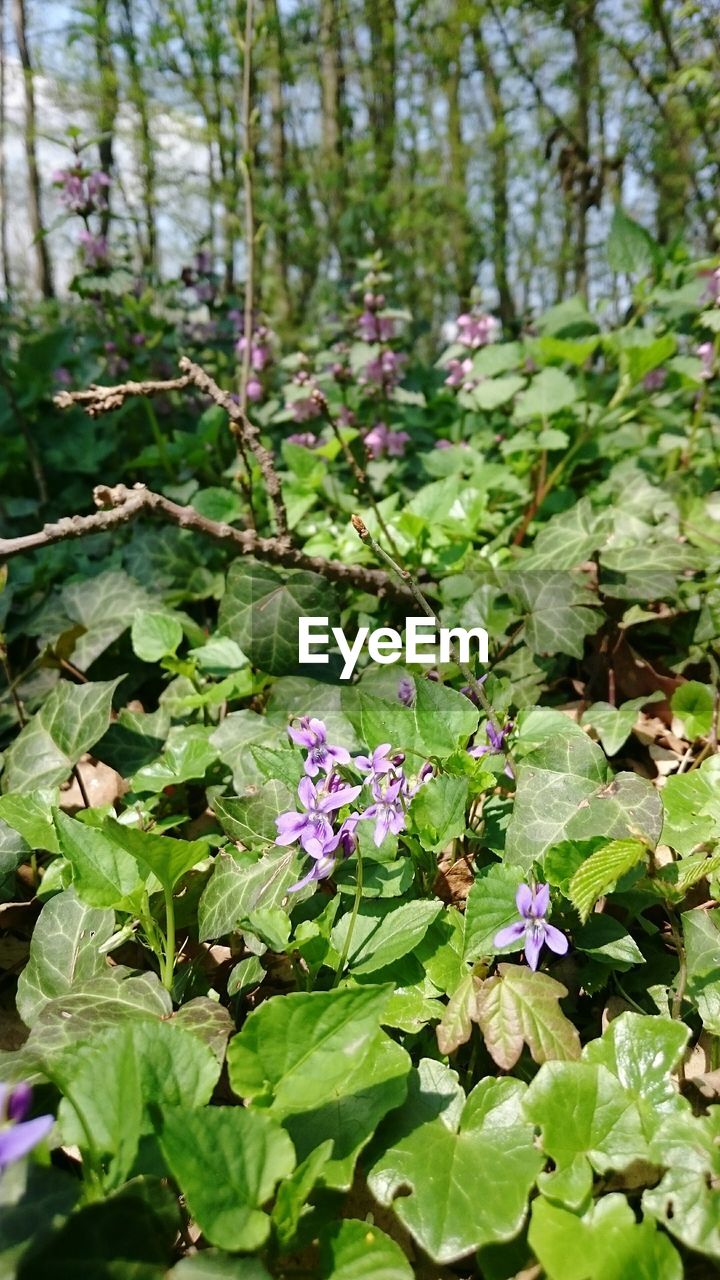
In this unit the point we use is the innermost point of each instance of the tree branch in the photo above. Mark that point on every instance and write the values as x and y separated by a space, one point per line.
97 400
119 505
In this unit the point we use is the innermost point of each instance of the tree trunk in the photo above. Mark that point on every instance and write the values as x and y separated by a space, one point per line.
462 234
107 99
332 96
498 141
148 167
277 77
381 20
580 16
4 254
37 226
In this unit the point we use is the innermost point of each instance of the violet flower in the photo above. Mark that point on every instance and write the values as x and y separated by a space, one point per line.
655 379
313 828
387 809
377 763
18 1136
381 439
312 735
706 352
406 691
496 740
533 904
323 866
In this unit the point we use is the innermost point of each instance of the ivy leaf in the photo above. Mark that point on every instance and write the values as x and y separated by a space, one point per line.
464 1167
71 720
286 1047
685 1202
516 1007
641 1051
261 608
250 817
31 815
227 1162
241 883
552 781
587 1122
690 809
560 610
64 952
569 538
607 1239
613 725
628 805
154 635
353 1250
601 871
694 704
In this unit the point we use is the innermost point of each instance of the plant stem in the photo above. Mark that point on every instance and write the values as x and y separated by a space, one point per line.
362 479
353 918
159 438
169 964
408 581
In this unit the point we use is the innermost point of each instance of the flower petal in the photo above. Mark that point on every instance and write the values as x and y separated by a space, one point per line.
556 940
524 900
21 1138
533 946
541 903
307 793
290 827
337 799
512 933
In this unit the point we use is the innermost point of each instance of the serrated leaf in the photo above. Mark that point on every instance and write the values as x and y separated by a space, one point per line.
517 1007
630 248
599 874
694 704
31 814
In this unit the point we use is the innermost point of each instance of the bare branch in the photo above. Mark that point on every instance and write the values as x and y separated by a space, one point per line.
97 400
119 505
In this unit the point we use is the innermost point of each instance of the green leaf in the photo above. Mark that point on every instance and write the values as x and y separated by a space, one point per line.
613 725
701 936
71 720
493 392
606 1243
292 1194
690 810
605 940
154 635
250 817
568 539
31 815
64 952
260 611
243 882
517 1007
286 1047
188 754
349 1111
552 782
384 932
461 1169
626 806
560 610
353 1250
455 1025
244 976
641 1051
630 248
549 391
694 704
168 859
227 1162
33 1199
601 871
587 1122
489 908
222 505
104 875
685 1201
211 1264
437 812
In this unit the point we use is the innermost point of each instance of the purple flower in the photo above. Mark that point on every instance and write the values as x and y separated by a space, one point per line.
254 389
712 293
477 330
459 372
406 691
62 376
321 757
377 763
655 380
305 438
313 828
706 352
381 439
18 1136
496 740
95 248
387 809
533 904
345 842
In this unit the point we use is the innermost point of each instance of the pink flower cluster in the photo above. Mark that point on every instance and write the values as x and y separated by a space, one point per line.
381 440
260 358
373 327
81 191
476 330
